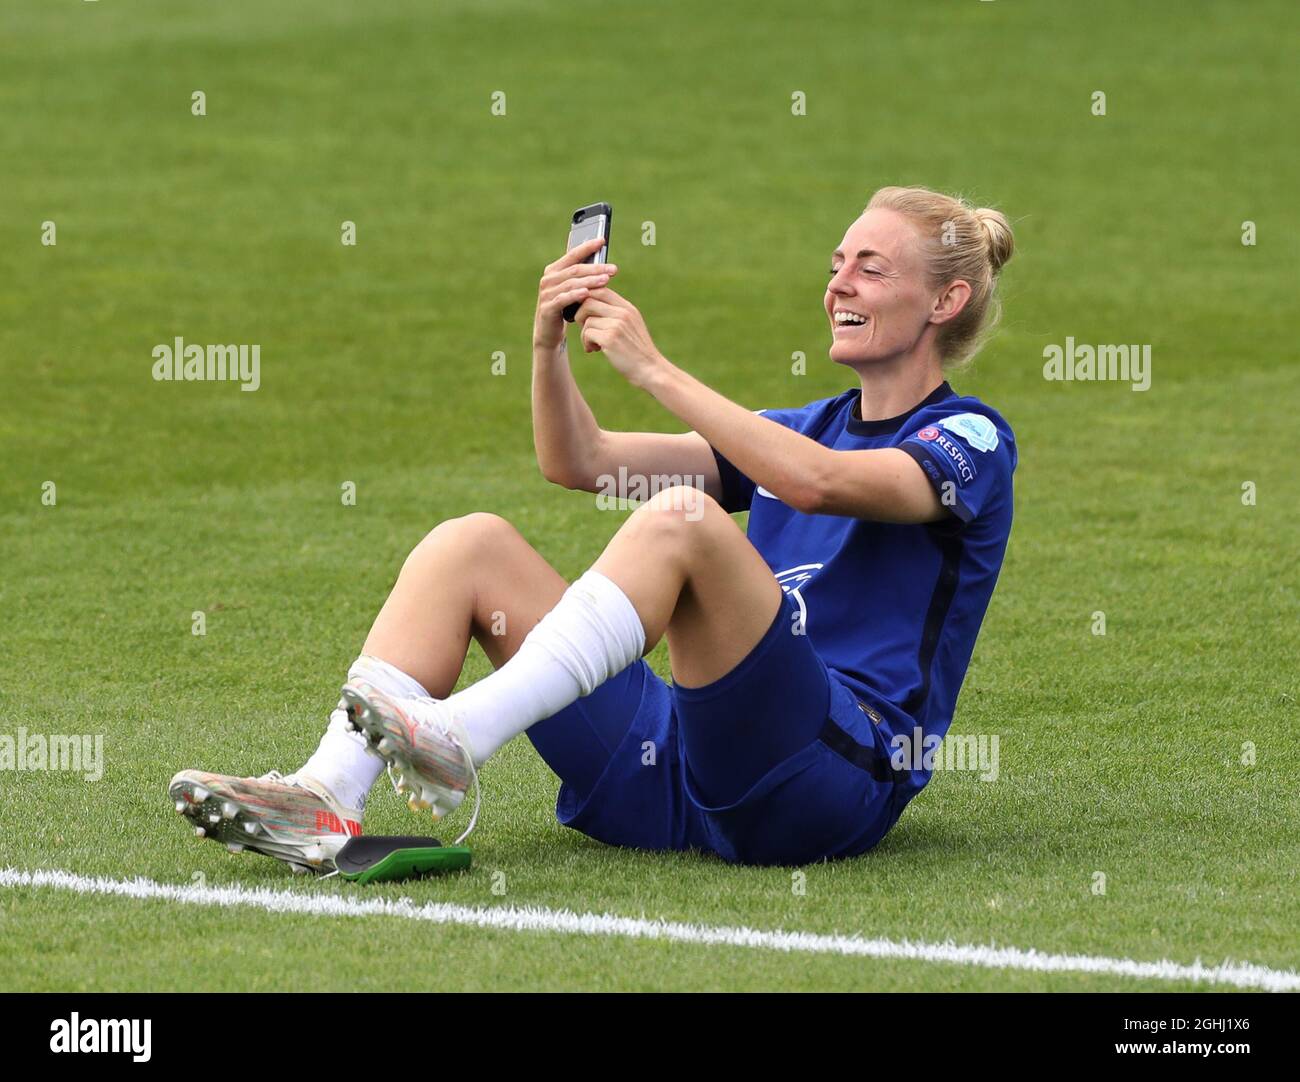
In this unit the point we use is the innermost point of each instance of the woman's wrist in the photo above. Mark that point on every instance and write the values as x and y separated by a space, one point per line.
545 351
655 377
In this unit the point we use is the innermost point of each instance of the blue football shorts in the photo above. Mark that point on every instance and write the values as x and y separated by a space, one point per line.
775 763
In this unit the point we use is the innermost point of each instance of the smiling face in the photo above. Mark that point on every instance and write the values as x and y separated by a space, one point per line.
879 301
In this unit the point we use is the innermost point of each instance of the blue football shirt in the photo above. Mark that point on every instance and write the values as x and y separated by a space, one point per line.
893 610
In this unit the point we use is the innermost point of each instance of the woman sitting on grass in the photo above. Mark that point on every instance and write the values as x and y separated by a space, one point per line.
843 619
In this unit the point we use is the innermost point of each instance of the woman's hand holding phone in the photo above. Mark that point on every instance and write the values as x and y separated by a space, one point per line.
567 281
613 325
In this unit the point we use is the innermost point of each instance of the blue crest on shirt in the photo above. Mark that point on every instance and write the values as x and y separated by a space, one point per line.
974 428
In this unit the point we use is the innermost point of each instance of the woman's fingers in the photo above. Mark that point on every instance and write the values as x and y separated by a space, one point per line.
592 327
585 281
566 293
595 306
561 301
578 254
578 270
615 300
566 281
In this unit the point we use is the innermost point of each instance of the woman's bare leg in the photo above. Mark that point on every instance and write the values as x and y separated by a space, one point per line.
681 560
471 576
692 574
679 566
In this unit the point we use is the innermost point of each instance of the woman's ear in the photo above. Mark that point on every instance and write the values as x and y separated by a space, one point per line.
950 301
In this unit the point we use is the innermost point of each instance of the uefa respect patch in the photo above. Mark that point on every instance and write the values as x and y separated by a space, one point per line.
974 428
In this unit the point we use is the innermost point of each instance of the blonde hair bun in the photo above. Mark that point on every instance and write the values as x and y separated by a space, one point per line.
1002 244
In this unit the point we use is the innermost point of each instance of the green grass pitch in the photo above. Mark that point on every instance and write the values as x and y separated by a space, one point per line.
1120 754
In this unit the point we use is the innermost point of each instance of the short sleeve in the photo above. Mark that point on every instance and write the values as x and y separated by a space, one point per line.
737 489
968 458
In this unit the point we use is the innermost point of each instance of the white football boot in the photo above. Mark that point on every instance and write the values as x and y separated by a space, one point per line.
293 819
426 749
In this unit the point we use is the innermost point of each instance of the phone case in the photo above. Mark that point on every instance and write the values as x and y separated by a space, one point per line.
602 255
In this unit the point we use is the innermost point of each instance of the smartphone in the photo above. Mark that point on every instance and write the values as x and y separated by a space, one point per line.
588 224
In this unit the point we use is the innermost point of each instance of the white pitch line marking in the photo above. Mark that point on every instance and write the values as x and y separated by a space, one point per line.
533 919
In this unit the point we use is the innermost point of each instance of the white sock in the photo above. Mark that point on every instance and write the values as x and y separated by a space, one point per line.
593 633
343 762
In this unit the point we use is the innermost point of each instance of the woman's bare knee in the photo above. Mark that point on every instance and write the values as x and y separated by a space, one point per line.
680 521
678 535
476 528
474 536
